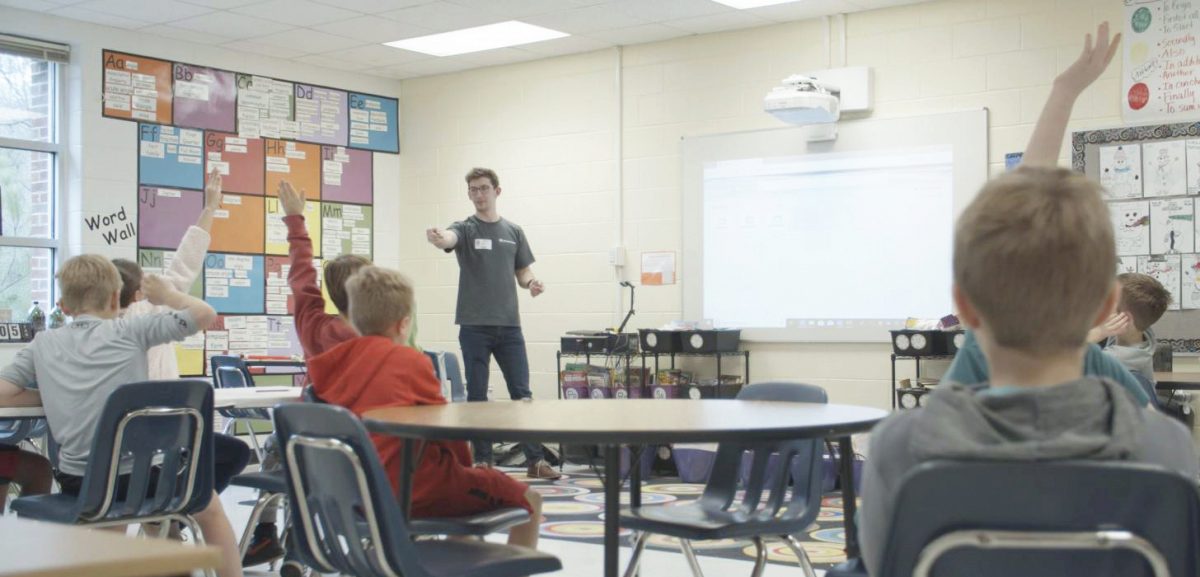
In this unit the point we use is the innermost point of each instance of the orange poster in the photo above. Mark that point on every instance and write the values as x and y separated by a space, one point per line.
238 225
296 162
137 88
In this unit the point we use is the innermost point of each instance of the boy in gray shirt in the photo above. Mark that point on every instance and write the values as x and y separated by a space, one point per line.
78 366
1034 257
1143 300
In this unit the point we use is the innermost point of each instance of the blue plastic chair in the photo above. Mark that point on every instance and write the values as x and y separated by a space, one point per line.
452 372
1061 519
347 518
151 461
766 506
230 372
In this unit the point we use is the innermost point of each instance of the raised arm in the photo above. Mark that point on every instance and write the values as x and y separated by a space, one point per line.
1046 141
212 200
189 257
161 293
441 238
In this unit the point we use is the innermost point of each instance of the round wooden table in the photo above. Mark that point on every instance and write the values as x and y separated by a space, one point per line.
612 423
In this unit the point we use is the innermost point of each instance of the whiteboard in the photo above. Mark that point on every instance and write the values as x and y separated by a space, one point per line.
835 241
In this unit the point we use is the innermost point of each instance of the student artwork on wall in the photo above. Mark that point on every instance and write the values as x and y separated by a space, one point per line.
1163 169
255 131
1151 176
1164 269
1172 222
1131 226
1121 170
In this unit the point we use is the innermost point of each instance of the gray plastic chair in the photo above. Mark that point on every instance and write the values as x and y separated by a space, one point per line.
447 369
1061 519
348 520
764 509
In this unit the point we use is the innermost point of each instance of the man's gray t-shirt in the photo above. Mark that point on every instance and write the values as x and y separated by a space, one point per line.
77 366
489 254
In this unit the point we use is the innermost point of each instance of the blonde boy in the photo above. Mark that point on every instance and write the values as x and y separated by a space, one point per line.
78 366
377 370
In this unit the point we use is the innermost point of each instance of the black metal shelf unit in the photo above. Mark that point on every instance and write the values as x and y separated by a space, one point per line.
917 359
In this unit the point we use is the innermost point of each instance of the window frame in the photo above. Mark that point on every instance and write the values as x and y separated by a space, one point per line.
58 151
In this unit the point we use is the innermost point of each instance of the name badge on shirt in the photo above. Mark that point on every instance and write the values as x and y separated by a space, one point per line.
483 244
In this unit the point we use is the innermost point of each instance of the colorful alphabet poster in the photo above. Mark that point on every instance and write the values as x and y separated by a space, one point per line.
346 229
137 88
239 161
237 225
298 163
164 215
374 123
256 132
234 283
346 175
277 242
205 98
322 114
170 156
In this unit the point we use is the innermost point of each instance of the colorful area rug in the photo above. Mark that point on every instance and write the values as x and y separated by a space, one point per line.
574 510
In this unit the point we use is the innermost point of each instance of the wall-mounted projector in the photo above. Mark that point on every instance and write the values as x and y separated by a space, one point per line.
820 97
804 100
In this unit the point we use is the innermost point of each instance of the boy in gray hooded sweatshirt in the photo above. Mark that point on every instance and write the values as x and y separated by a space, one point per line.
1144 300
1034 257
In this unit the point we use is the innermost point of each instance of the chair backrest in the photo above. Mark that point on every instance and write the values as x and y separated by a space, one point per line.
765 496
348 518
230 372
458 388
938 499
159 433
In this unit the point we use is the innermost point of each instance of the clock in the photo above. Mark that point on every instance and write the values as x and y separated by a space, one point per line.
16 332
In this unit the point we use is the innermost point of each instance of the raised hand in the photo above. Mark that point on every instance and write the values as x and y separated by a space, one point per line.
291 201
212 190
1092 62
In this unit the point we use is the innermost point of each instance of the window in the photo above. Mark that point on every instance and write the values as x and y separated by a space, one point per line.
31 153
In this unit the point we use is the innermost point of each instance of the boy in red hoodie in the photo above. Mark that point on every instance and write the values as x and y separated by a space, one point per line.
378 370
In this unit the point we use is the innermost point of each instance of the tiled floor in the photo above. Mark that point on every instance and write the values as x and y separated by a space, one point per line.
578 559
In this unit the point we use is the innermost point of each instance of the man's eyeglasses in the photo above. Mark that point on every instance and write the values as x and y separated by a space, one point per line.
479 189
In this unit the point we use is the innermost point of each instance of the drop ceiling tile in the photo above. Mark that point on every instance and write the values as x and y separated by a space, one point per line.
263 49
297 12
373 6
158 11
498 57
432 66
222 4
334 63
517 9
638 34
231 25
663 10
585 20
805 9
732 20
373 29
174 33
31 5
76 13
375 56
567 45
308 41
442 16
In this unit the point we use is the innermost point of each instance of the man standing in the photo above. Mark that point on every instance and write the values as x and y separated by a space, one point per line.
491 253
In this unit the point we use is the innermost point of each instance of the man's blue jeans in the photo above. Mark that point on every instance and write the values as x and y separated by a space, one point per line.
479 344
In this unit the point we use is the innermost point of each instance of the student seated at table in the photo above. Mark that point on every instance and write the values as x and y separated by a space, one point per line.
30 471
378 370
1143 301
1033 263
78 366
230 455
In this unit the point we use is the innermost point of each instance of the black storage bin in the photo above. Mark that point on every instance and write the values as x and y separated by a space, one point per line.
711 341
656 341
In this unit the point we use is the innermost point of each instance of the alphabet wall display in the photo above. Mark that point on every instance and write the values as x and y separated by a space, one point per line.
256 132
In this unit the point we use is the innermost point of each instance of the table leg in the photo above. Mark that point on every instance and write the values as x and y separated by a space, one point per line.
849 506
635 475
612 508
406 474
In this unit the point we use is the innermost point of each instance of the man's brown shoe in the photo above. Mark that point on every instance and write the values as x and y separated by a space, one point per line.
542 470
